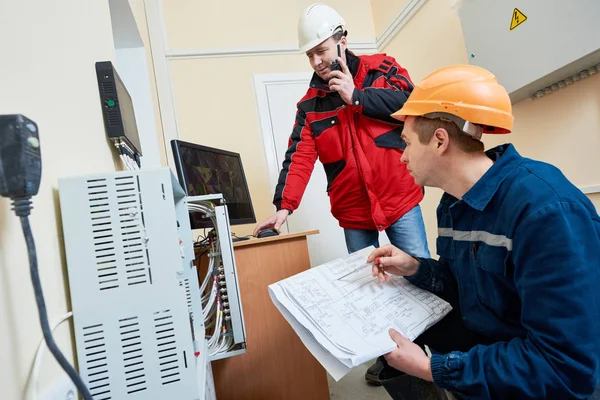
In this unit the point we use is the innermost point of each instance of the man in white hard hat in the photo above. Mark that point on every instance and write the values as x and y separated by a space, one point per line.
344 120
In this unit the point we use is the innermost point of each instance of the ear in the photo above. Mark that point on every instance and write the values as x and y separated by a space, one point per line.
440 140
344 43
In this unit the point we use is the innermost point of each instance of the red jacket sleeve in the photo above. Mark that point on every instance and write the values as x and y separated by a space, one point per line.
297 166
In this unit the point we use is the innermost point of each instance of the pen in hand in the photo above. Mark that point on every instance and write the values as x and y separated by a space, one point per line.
376 262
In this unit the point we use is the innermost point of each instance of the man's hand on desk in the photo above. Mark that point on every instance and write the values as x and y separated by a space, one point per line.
392 260
273 222
409 358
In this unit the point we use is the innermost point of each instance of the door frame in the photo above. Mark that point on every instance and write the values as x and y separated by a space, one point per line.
261 84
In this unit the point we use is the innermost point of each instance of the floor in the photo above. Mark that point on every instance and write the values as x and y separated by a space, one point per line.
353 386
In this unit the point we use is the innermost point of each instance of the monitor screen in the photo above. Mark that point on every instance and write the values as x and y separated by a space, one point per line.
204 170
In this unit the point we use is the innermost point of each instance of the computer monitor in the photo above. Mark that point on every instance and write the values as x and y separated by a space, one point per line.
204 170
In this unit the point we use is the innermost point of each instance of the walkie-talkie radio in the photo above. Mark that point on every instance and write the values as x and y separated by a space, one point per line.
335 66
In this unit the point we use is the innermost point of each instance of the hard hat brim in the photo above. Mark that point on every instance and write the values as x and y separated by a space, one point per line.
496 121
312 44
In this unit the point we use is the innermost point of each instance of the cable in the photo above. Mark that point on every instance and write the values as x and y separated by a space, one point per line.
200 255
209 318
211 300
212 310
208 274
131 165
227 344
125 163
32 389
135 163
215 336
22 208
241 237
222 345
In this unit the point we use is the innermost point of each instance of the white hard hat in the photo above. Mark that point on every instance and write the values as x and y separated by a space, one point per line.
317 24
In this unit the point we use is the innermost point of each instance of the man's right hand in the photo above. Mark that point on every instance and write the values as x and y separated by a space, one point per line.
392 260
275 221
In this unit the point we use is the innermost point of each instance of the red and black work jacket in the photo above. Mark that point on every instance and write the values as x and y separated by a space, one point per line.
358 144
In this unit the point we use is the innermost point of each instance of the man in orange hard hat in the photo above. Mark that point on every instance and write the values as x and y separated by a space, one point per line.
519 256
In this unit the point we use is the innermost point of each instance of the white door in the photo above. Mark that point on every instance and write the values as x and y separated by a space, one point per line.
277 96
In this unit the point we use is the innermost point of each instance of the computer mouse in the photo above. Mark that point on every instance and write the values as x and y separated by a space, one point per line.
266 233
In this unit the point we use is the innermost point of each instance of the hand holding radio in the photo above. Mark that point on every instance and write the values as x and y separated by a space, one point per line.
335 65
340 78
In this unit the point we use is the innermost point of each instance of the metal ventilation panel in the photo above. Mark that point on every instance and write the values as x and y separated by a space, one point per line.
187 274
130 307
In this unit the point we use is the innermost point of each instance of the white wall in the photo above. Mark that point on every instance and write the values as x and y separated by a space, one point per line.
212 85
48 50
131 65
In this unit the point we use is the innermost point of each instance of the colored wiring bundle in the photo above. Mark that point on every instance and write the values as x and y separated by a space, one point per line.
215 306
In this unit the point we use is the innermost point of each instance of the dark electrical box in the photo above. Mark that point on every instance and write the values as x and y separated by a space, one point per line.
117 108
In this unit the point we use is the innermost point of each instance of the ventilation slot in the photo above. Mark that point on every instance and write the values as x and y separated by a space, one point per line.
96 364
107 89
168 357
188 295
103 235
132 231
133 355
114 117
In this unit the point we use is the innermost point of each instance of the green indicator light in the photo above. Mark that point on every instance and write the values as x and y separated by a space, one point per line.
110 103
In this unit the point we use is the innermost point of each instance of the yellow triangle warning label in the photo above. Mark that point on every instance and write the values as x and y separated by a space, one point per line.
517 19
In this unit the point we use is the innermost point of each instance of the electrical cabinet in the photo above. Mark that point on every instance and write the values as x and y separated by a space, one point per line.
134 295
534 47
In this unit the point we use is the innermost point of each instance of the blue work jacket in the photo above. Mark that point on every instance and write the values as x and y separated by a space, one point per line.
522 248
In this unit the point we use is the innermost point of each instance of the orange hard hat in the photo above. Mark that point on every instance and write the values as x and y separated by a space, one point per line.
469 92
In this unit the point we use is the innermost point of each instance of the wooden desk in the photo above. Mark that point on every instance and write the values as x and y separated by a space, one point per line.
276 364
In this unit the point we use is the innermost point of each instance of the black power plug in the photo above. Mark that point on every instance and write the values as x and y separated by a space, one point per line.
20 175
20 160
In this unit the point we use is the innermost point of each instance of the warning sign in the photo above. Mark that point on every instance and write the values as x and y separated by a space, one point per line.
517 19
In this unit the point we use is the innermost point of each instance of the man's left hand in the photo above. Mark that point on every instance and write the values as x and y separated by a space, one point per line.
409 358
342 82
